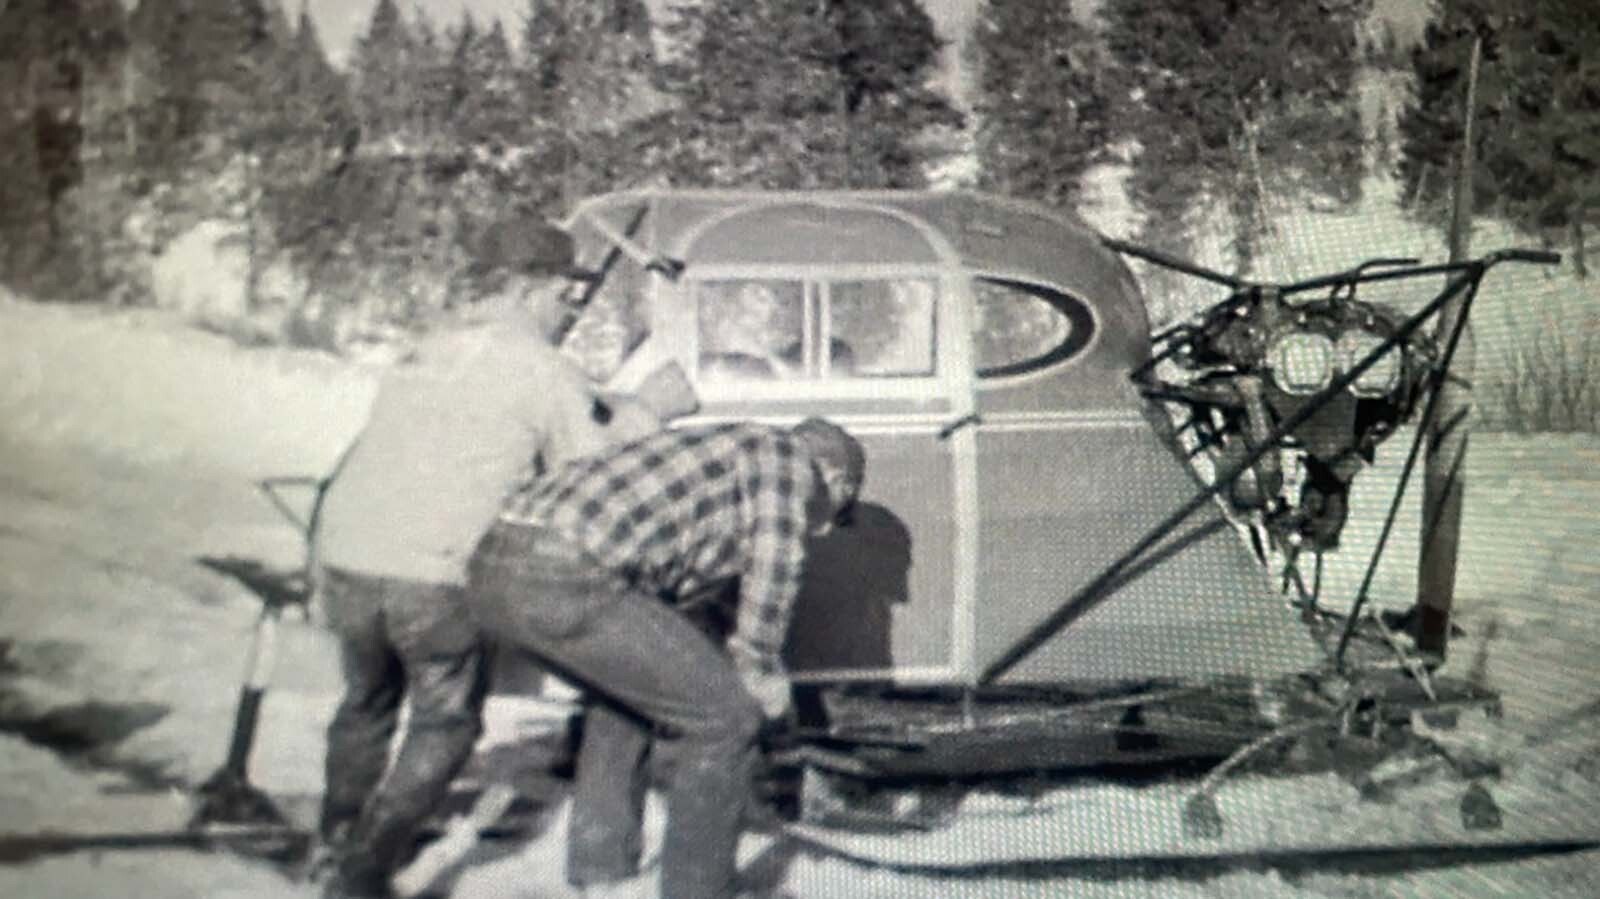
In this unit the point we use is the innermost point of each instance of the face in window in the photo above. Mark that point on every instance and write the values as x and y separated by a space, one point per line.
747 329
881 328
756 330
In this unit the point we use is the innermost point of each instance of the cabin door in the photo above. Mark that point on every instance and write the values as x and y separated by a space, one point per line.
860 345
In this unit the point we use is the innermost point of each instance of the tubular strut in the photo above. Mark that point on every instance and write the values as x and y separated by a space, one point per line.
622 244
1440 372
1470 274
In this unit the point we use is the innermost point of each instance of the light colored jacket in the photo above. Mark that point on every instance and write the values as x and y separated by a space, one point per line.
452 431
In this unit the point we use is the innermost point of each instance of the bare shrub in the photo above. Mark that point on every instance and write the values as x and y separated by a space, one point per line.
1551 378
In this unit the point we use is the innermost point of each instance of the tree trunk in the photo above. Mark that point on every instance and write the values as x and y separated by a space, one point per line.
1444 475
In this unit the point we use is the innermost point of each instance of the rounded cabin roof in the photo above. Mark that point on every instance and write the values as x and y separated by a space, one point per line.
966 233
808 232
977 231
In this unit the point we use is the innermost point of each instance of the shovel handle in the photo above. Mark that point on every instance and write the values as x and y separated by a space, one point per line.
271 486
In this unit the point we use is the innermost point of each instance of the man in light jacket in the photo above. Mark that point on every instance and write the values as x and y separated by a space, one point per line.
451 434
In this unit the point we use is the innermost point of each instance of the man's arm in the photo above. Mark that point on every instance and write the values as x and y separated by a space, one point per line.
665 393
776 481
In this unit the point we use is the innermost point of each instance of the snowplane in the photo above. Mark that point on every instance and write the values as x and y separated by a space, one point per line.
1083 546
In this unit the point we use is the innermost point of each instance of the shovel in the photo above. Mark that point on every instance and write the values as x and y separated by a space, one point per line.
227 800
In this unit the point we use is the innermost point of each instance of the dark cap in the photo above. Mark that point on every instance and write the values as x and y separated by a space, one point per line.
833 446
525 246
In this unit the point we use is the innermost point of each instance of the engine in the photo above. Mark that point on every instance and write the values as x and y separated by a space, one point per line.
1334 365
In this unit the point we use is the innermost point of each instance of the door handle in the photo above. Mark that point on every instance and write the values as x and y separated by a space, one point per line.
971 418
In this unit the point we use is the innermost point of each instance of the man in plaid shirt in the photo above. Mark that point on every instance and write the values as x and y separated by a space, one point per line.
577 570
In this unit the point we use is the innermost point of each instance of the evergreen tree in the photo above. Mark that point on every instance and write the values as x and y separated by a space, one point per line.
1432 127
59 67
586 60
384 70
303 135
313 103
891 54
463 77
430 75
206 68
802 93
1537 115
1044 101
498 113
587 79
1549 158
1234 100
549 53
483 88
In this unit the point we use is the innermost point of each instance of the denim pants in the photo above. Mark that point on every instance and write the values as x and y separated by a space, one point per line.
651 667
613 769
399 641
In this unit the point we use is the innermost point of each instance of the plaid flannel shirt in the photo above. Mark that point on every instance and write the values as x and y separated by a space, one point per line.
685 508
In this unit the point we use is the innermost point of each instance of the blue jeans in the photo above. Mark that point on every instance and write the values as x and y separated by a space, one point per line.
398 640
536 591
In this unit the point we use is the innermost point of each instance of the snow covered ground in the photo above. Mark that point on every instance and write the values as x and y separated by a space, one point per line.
129 445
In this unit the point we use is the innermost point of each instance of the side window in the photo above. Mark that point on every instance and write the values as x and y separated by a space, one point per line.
751 329
881 329
762 330
1024 327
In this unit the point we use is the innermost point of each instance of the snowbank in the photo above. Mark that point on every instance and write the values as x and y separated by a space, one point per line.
146 389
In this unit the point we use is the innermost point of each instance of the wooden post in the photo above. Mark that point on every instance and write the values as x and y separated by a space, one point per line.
1444 474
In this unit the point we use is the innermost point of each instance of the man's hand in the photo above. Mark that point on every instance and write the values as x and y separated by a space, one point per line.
667 392
770 690
321 860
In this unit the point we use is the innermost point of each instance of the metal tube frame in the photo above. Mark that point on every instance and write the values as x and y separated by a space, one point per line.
1469 275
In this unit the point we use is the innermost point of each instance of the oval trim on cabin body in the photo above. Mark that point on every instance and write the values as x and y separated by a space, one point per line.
1035 368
